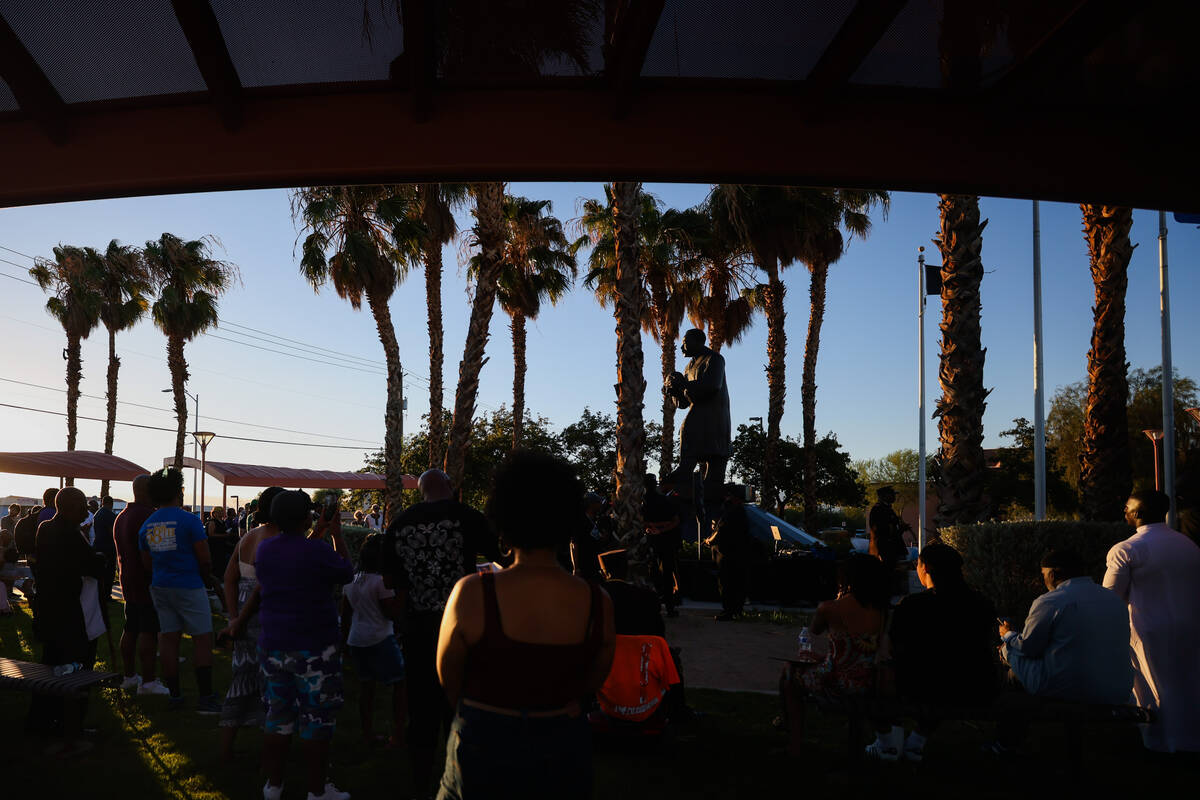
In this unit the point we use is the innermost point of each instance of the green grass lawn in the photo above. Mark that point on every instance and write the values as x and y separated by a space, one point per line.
732 751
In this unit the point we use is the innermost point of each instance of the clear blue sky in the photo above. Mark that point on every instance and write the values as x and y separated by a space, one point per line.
866 375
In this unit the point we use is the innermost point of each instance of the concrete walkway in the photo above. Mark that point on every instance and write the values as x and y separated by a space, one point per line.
733 656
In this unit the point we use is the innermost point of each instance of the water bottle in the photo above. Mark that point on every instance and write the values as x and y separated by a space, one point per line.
67 669
804 641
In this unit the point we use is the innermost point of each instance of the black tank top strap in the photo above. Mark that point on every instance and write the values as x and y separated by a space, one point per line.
492 629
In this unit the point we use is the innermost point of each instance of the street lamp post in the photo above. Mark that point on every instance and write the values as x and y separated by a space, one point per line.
1155 436
762 490
195 429
236 505
203 438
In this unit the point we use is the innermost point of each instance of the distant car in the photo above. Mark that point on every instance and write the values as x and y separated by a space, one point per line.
778 535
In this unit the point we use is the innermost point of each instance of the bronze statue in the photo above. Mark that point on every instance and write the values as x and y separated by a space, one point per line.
704 436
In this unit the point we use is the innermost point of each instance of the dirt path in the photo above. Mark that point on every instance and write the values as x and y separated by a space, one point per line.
730 655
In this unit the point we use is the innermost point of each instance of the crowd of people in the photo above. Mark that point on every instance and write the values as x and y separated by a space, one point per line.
511 637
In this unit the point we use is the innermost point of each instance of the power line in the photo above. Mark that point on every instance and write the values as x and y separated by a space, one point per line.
214 419
371 361
17 252
308 358
174 430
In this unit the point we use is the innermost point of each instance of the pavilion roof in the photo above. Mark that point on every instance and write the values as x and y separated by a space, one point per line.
289 477
71 464
1080 100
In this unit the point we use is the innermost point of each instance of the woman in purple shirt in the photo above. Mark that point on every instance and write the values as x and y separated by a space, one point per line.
298 647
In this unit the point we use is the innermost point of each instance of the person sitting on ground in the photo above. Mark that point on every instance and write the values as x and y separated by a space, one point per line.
298 645
943 647
243 706
64 561
369 613
520 648
1074 647
1157 573
140 637
854 624
175 553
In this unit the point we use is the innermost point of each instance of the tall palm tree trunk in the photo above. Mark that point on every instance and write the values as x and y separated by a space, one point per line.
433 304
74 376
631 383
808 390
179 375
393 412
666 453
519 368
489 205
776 376
1105 470
110 418
960 409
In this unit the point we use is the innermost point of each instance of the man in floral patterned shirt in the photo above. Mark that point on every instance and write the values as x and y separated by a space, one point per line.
425 552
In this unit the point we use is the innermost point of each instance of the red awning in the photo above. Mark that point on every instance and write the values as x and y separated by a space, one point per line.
289 477
71 464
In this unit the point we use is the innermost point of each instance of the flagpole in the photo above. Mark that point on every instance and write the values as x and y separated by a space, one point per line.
921 399
1168 376
1039 400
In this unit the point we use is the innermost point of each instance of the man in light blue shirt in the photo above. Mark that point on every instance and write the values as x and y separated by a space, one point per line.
1075 645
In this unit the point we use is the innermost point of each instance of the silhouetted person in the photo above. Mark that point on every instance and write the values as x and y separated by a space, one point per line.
704 438
661 517
731 544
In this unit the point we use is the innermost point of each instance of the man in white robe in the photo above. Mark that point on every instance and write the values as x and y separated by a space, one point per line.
1157 572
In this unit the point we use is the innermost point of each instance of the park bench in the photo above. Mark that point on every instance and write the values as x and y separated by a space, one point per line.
25 676
1075 717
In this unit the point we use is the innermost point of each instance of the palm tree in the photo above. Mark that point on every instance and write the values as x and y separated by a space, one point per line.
363 239
834 210
727 290
774 223
1105 471
436 203
489 236
538 264
188 282
631 382
669 287
960 409
73 277
123 286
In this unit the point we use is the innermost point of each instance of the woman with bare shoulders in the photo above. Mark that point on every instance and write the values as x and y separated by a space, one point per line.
243 706
521 647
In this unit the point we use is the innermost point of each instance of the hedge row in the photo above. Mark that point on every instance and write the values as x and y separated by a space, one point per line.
1003 559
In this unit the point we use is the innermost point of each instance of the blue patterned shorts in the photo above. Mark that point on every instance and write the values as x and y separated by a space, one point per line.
303 690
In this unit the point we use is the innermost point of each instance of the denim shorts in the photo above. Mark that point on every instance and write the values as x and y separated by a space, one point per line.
382 662
302 691
186 610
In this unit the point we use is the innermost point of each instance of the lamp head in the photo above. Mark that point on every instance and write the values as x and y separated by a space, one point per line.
1154 435
204 437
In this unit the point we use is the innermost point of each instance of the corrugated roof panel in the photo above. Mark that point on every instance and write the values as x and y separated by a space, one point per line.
765 39
309 41
101 51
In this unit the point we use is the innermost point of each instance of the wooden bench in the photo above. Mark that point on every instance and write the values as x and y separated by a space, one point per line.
25 676
863 709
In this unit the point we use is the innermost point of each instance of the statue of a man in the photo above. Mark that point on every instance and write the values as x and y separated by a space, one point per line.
704 435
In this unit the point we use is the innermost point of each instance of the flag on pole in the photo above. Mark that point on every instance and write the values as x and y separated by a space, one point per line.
1187 219
933 279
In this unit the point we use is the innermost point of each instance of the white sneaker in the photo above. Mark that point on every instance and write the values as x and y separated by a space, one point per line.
887 746
273 792
153 687
132 683
331 793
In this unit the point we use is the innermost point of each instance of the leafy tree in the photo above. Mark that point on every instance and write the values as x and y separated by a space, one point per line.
1010 484
899 469
590 444
362 239
188 282
837 480
123 285
74 277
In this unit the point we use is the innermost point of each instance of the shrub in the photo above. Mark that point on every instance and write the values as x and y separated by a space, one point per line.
354 536
1003 559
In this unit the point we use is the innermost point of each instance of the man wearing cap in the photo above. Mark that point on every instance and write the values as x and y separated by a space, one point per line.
704 435
731 543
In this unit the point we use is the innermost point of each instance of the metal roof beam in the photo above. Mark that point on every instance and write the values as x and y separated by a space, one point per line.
203 33
631 28
865 25
34 92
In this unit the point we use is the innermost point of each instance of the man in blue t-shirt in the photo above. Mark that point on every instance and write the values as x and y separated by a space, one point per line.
175 551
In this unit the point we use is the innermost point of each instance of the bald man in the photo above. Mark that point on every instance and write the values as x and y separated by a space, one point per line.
425 551
64 558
